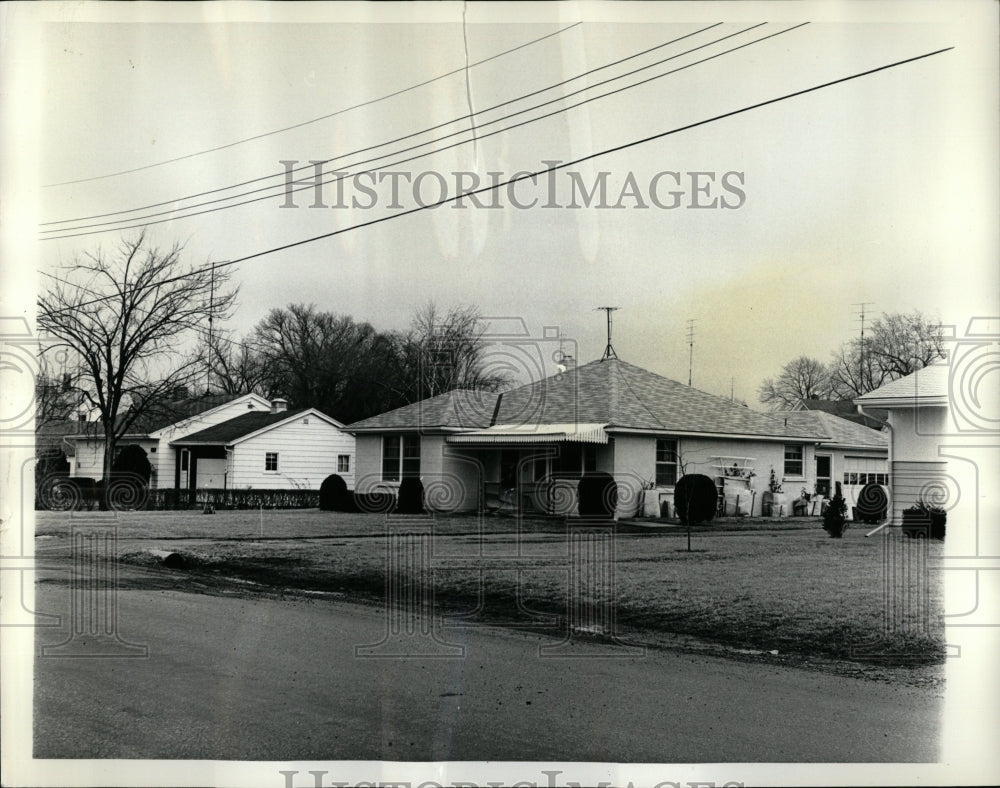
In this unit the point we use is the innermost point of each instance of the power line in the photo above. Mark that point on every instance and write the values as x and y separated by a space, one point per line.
414 134
321 117
339 176
536 174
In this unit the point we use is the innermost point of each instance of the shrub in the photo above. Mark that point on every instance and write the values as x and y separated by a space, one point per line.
132 460
835 516
411 496
597 495
333 495
695 498
921 519
873 504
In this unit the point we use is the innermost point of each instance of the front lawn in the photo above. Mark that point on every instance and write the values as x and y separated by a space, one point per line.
763 585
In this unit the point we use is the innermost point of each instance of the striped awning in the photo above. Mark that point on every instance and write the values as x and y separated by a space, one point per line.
534 433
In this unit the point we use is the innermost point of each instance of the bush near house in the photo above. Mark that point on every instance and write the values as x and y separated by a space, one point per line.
598 495
695 498
835 516
873 504
411 496
333 495
923 520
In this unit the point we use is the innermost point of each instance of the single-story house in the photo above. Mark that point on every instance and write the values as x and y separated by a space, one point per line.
226 442
528 448
276 450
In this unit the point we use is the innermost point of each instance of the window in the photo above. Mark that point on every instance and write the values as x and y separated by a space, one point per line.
271 461
575 459
666 462
793 460
343 463
400 457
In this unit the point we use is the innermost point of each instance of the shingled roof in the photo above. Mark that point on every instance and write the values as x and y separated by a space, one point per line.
624 396
458 409
609 392
927 386
838 431
238 427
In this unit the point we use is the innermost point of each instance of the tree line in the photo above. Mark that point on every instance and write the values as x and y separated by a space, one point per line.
895 345
136 331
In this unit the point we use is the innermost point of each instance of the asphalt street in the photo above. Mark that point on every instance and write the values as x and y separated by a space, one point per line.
254 678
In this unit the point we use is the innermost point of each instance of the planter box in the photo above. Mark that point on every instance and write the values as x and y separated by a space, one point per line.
923 524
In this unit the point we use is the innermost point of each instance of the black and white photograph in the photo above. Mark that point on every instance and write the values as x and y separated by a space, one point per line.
499 394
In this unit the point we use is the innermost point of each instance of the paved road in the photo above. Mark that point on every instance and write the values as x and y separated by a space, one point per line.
267 679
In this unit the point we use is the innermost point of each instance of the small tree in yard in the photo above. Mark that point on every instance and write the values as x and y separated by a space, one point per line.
126 315
695 500
835 516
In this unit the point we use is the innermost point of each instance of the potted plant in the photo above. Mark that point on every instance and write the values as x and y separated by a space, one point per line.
650 499
775 497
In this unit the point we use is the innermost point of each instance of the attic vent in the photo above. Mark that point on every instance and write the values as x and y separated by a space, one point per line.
305 420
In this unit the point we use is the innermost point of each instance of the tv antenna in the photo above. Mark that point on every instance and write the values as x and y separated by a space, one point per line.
861 348
609 352
690 339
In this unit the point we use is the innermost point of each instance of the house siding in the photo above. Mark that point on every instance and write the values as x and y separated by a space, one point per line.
166 454
307 454
368 462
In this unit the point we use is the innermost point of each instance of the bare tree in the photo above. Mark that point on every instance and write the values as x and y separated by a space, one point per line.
57 396
127 314
802 378
448 351
897 345
237 367
314 358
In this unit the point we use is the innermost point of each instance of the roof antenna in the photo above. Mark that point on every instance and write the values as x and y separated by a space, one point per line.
690 339
609 352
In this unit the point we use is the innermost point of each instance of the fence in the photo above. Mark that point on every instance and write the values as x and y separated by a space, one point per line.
69 494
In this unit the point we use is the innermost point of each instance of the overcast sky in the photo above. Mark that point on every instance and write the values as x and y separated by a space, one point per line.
880 189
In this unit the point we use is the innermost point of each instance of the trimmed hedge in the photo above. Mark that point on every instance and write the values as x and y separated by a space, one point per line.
695 498
598 495
411 496
333 495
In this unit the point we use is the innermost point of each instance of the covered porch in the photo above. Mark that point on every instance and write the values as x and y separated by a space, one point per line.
534 469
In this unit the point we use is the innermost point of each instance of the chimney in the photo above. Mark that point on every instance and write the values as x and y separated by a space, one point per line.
279 405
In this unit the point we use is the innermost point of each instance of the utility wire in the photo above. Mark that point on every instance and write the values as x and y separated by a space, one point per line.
339 176
469 116
531 176
321 117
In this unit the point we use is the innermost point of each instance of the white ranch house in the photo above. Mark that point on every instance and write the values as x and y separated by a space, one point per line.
528 448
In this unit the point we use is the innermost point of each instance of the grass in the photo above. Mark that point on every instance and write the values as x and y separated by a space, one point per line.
753 584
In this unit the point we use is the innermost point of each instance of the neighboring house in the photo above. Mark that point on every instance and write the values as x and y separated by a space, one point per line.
850 454
276 450
846 409
611 416
919 415
313 453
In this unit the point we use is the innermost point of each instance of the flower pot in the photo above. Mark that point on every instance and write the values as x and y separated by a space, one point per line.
650 503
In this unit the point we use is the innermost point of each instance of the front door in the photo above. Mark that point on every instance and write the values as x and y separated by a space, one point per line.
823 474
